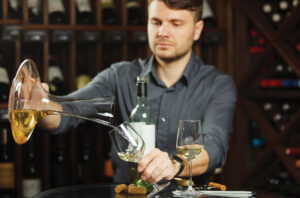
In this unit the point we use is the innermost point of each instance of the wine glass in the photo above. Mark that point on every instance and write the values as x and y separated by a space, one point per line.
190 144
29 101
130 147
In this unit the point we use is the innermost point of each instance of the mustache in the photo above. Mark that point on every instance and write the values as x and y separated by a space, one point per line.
163 40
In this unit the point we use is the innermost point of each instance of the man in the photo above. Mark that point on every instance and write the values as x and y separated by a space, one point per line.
180 86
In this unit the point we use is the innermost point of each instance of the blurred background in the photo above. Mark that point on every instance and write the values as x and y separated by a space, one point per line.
257 42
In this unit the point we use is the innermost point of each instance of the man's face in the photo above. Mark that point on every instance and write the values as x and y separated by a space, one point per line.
171 32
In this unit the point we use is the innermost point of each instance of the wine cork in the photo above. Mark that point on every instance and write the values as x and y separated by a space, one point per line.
121 188
217 185
134 190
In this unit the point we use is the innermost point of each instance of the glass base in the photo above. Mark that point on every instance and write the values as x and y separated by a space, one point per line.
186 193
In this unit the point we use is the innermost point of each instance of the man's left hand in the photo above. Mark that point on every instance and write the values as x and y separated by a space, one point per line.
156 166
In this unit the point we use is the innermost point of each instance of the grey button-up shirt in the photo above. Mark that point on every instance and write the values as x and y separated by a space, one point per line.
202 93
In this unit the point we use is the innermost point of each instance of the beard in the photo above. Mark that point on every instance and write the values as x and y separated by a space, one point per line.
171 57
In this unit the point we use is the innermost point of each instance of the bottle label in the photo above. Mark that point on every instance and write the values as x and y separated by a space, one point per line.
14 4
147 132
132 4
107 3
31 187
83 5
3 76
7 176
207 12
33 3
56 5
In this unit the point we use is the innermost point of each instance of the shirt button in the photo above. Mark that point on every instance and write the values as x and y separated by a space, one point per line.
163 119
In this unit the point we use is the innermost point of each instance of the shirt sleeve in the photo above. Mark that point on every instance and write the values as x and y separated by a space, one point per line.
218 120
103 84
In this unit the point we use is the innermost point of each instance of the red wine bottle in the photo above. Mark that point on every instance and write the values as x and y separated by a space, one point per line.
83 12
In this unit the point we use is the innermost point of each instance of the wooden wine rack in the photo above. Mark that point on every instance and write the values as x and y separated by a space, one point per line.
249 11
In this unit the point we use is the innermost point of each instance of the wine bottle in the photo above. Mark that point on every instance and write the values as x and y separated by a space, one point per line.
87 163
141 116
108 12
83 12
207 15
14 9
7 164
284 7
293 151
4 82
56 79
272 15
60 162
289 107
32 182
257 42
142 119
134 15
57 13
34 11
298 47
295 3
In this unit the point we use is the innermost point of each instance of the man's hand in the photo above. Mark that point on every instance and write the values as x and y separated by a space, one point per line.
156 166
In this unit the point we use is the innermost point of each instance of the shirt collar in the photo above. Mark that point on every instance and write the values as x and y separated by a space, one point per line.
186 76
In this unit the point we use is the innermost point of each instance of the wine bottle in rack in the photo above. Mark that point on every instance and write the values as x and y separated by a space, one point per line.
14 9
7 164
84 12
295 3
109 15
257 138
87 163
57 13
293 151
4 82
289 107
207 15
34 11
284 7
56 79
60 162
298 47
297 163
258 42
32 179
272 14
134 14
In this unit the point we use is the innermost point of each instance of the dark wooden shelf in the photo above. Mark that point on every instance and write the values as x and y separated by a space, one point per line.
272 93
10 21
3 105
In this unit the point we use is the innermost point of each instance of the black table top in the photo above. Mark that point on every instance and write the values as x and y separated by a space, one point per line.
99 191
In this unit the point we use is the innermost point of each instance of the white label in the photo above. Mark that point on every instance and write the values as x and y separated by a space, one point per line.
55 72
147 132
83 5
31 187
33 3
14 4
56 5
3 76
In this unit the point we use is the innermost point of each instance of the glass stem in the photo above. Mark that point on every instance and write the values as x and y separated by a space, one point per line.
190 176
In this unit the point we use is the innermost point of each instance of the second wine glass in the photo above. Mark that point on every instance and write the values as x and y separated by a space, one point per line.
190 144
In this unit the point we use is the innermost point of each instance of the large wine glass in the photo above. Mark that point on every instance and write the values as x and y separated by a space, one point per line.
190 144
130 147
29 101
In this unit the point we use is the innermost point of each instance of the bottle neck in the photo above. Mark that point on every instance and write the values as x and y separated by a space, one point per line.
141 93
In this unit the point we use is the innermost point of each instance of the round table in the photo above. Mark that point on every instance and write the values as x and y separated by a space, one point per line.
100 191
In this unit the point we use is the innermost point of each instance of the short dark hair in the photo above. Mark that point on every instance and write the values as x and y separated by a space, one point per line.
191 5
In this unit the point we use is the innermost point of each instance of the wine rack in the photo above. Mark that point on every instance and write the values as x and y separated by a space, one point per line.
89 48
268 92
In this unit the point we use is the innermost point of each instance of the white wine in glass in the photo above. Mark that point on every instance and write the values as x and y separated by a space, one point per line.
190 144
